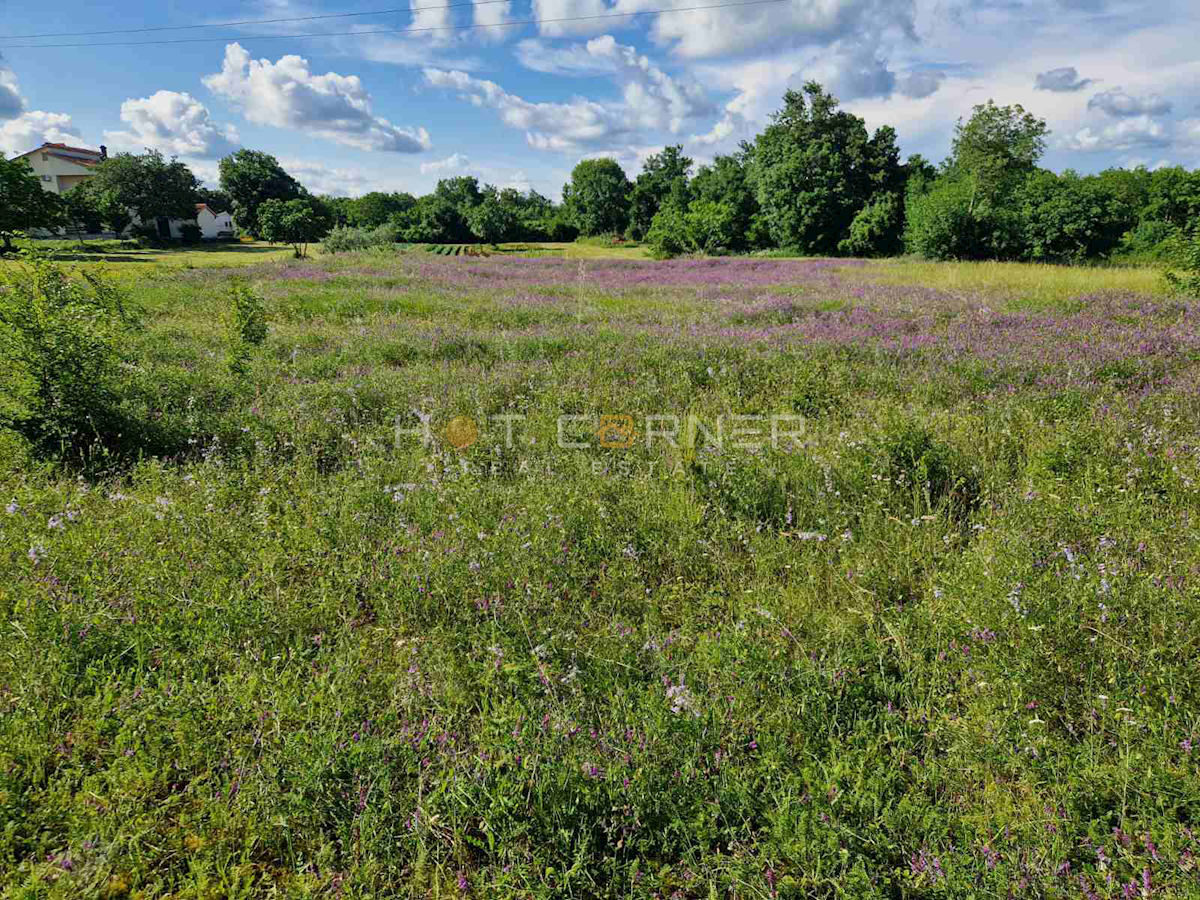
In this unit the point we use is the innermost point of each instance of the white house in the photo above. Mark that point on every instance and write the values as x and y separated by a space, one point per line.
213 224
60 167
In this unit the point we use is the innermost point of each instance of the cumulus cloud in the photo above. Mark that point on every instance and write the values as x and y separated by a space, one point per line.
34 128
322 179
650 100
492 14
12 104
850 69
763 28
286 94
455 162
1125 135
1119 104
176 123
1064 80
919 85
571 9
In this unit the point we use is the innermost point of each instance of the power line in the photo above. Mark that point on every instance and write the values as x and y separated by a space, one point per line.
284 37
378 12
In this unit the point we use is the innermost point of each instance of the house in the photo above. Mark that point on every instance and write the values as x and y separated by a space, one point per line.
61 167
213 225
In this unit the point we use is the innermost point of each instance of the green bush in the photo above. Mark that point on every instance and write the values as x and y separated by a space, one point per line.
1187 249
62 343
247 326
190 234
942 224
347 239
876 231
706 226
1151 239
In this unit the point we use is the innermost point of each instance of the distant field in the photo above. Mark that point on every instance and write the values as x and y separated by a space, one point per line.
838 579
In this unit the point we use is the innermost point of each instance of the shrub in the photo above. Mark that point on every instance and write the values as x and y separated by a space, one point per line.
247 326
1150 239
1187 250
704 227
190 234
62 342
875 230
943 224
346 239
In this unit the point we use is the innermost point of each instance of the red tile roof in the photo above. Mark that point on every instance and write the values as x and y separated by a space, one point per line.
95 153
75 159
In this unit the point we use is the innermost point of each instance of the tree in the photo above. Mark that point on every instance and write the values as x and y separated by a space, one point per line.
492 221
149 186
597 198
725 182
814 168
996 149
661 174
251 178
24 206
878 229
376 208
703 226
1069 218
294 222
81 205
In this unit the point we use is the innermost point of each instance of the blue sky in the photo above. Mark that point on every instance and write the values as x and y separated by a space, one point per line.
1116 81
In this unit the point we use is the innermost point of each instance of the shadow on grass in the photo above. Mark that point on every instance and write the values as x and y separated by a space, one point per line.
93 253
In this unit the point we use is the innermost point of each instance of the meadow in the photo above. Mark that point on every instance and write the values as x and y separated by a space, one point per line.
838 579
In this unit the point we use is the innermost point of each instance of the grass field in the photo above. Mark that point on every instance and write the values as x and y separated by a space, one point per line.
838 579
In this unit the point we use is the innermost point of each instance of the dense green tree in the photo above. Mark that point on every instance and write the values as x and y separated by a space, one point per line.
661 174
814 168
597 197
374 209
296 222
1173 196
725 182
995 150
24 206
251 178
492 221
878 228
1065 217
149 186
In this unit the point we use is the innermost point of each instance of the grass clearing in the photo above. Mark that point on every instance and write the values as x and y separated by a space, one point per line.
935 639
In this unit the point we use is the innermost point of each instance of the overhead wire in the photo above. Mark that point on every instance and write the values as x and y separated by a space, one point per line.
390 31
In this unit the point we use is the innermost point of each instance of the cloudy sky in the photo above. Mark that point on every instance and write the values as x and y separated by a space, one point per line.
519 105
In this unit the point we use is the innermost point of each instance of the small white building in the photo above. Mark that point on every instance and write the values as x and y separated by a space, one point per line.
213 225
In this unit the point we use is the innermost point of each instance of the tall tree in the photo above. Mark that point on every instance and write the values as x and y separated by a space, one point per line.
661 174
814 168
725 182
597 198
996 149
297 222
24 206
374 209
251 178
149 185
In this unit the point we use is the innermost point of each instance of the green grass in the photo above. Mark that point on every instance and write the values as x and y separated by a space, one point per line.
125 258
943 646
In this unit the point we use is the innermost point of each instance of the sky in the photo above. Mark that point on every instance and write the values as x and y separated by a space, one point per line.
519 105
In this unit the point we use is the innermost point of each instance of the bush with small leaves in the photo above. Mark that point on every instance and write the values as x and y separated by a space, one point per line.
63 340
247 326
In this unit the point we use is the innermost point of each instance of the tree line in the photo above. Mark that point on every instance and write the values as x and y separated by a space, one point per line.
814 182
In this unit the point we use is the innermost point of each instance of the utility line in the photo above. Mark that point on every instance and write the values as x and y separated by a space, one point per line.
378 12
284 37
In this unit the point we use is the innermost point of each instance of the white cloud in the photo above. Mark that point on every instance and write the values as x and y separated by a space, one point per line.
1119 104
571 9
651 99
455 162
176 123
322 179
850 69
492 14
1125 135
1062 80
286 94
34 128
770 27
